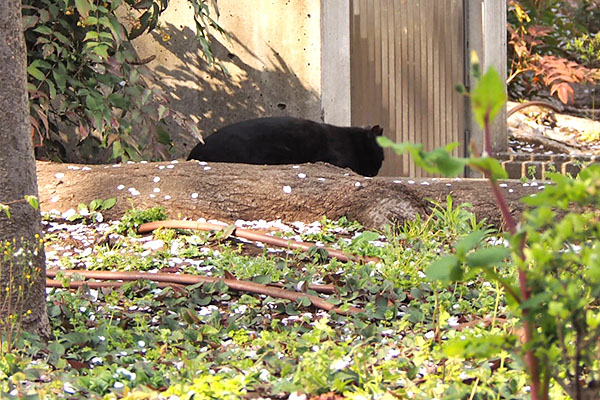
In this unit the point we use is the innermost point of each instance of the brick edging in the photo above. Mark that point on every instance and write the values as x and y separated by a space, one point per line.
517 165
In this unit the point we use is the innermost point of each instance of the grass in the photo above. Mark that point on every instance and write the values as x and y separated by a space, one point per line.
206 342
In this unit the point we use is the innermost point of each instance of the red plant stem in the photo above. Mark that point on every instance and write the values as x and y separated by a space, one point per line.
511 226
251 235
488 137
187 279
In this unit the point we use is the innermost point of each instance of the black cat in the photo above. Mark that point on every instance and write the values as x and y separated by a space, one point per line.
286 140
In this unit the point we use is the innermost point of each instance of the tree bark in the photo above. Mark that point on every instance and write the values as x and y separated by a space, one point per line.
237 191
22 273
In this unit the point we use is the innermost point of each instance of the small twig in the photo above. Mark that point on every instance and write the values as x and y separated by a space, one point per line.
101 284
14 202
143 61
187 279
164 279
251 235
537 103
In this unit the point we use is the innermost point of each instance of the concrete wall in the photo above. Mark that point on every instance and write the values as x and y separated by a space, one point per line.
487 36
273 56
335 64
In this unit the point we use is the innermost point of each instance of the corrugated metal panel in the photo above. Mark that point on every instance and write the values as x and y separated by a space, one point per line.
406 58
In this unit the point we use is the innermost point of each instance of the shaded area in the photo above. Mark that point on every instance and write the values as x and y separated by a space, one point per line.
214 99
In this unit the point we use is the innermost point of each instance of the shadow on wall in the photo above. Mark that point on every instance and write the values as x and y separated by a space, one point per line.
213 99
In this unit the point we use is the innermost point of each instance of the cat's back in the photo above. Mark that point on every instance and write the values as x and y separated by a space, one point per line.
270 126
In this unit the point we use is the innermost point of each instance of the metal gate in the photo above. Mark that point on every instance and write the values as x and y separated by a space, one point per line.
406 57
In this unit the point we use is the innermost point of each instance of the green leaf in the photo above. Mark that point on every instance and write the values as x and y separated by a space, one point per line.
469 242
62 38
6 209
41 64
60 80
438 161
490 165
141 27
163 136
154 19
116 28
227 232
83 7
118 100
56 349
262 279
75 338
29 21
91 35
117 150
304 301
488 97
488 257
446 269
94 204
109 203
477 347
162 111
366 236
33 201
51 88
447 164
43 29
399 148
91 102
101 50
536 300
36 73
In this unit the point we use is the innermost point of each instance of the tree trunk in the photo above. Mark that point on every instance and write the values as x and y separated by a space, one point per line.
22 272
237 191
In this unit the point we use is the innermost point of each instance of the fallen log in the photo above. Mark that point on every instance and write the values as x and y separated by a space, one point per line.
227 192
537 139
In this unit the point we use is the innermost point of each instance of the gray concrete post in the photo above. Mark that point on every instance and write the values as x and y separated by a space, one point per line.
335 62
486 25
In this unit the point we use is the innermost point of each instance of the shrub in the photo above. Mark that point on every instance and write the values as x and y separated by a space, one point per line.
84 74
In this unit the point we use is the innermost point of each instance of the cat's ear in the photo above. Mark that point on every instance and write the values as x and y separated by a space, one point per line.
376 130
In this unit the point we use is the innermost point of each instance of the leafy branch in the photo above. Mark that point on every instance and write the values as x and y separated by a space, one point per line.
33 201
553 255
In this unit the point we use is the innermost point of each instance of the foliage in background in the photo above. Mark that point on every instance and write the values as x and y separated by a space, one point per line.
555 251
552 45
87 85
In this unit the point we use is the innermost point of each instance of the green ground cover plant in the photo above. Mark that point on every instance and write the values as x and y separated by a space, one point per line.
206 341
